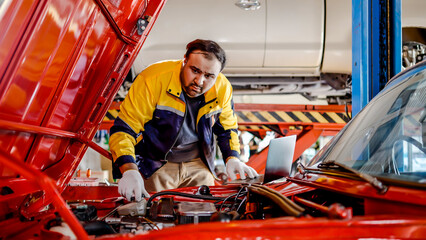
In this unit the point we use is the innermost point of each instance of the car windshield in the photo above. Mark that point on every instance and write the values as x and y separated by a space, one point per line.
387 139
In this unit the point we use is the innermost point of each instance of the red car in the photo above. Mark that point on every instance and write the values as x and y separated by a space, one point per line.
62 63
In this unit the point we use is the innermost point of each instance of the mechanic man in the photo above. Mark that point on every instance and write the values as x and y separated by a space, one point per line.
166 123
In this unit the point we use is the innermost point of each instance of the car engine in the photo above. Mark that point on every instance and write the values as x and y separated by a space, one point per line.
173 208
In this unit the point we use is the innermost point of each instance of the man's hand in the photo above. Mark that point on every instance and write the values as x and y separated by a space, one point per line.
131 184
234 165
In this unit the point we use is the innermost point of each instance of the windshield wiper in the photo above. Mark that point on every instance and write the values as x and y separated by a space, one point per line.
381 188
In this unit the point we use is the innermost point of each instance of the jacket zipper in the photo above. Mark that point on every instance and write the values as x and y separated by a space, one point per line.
180 129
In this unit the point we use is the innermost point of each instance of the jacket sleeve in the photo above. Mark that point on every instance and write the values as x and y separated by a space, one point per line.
226 128
136 109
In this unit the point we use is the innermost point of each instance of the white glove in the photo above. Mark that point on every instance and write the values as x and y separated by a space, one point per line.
131 184
236 166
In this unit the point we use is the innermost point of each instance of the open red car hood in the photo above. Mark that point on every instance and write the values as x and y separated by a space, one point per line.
61 64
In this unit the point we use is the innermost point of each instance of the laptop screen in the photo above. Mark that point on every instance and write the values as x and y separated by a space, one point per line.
278 163
280 158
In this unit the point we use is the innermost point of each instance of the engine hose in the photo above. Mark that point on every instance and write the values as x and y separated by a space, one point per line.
278 199
189 195
293 204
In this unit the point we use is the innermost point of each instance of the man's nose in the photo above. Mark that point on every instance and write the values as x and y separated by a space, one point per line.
199 80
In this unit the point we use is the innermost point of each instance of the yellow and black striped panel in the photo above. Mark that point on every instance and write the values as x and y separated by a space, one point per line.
253 128
111 115
291 117
264 127
272 117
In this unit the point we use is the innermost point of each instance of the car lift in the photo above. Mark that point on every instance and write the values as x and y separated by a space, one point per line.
308 122
376 48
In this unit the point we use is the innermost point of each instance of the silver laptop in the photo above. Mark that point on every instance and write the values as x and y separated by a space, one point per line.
278 162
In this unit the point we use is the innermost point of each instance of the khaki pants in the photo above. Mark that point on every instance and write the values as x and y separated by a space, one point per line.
177 175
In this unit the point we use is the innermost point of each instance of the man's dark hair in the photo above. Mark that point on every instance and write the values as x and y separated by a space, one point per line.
207 46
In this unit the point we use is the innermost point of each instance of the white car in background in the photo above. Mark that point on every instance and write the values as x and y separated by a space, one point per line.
280 46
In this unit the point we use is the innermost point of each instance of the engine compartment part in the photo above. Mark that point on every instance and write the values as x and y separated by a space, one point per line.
133 209
170 209
195 212
284 204
163 210
84 212
412 53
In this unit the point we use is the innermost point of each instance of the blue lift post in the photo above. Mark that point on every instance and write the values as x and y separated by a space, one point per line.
376 47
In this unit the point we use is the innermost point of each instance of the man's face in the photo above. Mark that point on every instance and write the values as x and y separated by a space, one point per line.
199 73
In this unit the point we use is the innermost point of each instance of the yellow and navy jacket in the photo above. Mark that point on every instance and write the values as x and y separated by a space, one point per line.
152 115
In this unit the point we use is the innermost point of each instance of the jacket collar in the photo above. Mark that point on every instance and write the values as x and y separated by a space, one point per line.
175 86
211 94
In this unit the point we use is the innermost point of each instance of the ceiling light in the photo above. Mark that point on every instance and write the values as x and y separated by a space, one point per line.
248 4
